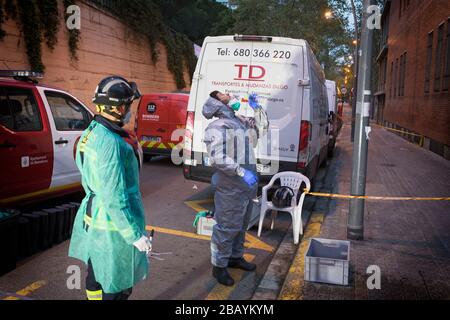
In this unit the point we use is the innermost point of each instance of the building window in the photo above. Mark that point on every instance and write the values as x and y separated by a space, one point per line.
439 59
446 82
428 62
391 79
402 76
396 78
404 4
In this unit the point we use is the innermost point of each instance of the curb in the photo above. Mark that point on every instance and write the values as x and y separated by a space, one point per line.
273 278
293 285
283 279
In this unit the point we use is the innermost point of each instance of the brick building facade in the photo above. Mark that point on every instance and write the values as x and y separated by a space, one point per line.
414 71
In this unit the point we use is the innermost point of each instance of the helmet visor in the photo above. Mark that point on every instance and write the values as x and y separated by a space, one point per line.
136 93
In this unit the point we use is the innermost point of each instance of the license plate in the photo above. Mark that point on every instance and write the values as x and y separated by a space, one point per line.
151 139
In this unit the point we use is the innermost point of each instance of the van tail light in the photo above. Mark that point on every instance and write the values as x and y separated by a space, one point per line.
188 135
305 134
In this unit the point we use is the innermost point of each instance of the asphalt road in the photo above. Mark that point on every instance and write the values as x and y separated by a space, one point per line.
170 202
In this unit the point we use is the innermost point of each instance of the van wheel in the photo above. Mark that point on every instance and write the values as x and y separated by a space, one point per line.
147 157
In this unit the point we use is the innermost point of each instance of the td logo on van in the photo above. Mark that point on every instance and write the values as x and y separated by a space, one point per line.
249 72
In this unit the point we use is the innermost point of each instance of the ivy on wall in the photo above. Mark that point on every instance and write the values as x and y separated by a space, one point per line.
32 33
144 18
39 21
74 34
2 19
10 9
48 10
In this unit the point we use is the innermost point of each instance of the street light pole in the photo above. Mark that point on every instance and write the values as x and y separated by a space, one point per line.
356 65
355 224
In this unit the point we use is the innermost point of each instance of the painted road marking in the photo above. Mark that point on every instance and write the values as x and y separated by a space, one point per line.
196 204
10 295
27 290
178 233
294 283
221 292
251 242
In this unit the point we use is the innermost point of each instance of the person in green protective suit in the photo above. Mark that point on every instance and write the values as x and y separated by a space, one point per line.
109 229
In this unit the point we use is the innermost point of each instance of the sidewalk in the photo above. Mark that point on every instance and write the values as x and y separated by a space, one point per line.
408 240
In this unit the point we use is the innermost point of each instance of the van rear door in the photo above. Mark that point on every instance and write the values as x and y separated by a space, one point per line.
153 121
177 117
281 95
218 72
270 69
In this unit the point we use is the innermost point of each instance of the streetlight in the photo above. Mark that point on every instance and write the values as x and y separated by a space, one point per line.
329 14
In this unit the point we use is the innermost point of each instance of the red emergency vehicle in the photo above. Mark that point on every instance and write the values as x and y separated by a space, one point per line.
39 129
158 117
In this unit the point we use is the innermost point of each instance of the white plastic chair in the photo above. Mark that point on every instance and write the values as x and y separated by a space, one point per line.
294 181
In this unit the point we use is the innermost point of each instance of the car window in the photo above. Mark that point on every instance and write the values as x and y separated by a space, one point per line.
19 110
68 114
6 118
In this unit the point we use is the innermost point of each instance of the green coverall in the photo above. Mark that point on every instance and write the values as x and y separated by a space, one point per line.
111 216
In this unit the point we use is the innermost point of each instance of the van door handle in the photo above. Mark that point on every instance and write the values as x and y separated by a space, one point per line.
61 141
7 145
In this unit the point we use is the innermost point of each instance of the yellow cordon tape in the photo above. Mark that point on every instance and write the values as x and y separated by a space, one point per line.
397 130
422 137
344 196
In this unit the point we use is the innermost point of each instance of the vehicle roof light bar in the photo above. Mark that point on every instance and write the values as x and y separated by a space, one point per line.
21 74
252 38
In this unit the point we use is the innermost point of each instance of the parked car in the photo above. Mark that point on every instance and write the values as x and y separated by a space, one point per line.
39 129
333 119
159 115
290 83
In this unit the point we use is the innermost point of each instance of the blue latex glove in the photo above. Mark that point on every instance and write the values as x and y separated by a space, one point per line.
250 178
253 101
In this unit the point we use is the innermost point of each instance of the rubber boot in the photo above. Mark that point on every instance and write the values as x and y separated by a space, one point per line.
222 276
240 263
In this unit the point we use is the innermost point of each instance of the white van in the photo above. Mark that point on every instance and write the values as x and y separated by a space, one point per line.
333 130
291 87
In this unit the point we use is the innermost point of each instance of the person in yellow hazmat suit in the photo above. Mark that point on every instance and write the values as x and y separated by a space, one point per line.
109 229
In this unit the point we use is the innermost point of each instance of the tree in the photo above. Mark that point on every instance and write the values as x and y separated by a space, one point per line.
301 19
196 19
